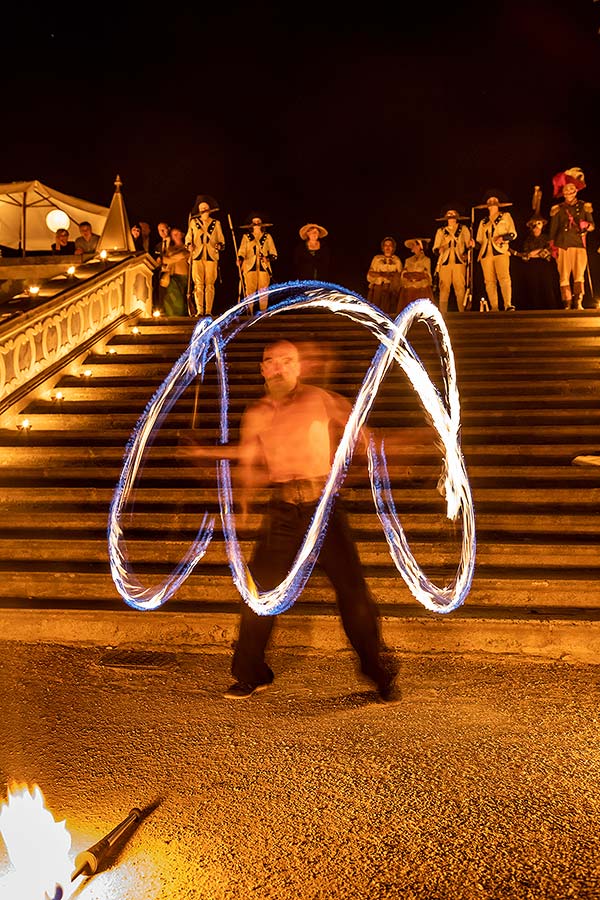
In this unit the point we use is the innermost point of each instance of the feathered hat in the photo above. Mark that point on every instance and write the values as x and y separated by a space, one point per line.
569 176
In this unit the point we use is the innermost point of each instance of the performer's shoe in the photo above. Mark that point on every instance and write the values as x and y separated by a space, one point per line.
241 690
387 688
389 693
510 308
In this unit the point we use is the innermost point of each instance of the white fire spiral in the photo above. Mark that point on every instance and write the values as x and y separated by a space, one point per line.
208 342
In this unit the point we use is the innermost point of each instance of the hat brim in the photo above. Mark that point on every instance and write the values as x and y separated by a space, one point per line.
306 228
262 225
409 244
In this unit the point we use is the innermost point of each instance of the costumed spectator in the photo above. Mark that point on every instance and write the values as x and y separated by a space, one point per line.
494 234
86 243
416 281
162 245
570 222
176 275
146 236
383 277
160 250
452 243
205 241
312 258
62 245
136 234
256 254
535 274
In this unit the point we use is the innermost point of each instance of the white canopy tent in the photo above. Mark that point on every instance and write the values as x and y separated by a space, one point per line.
24 206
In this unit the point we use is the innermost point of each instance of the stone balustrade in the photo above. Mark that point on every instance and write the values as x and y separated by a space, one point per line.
70 313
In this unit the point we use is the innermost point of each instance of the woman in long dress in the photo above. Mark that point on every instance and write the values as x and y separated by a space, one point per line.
536 273
383 277
416 279
176 274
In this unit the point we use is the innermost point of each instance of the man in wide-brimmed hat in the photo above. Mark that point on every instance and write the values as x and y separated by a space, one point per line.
494 234
205 241
570 221
452 242
256 254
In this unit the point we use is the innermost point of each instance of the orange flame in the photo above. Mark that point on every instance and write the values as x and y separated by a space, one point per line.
38 846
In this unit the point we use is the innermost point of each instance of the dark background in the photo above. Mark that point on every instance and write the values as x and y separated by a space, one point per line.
367 121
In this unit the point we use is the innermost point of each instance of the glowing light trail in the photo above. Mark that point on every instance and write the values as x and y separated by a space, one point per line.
209 342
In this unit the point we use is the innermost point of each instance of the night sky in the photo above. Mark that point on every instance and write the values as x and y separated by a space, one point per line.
367 121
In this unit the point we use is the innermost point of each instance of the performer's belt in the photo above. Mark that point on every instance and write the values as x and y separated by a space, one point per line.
300 490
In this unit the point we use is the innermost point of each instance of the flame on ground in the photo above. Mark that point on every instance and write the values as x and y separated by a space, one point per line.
38 847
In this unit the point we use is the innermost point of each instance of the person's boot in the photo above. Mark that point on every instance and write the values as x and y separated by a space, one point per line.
578 291
565 293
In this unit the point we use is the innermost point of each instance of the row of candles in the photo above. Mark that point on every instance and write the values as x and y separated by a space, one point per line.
57 396
34 289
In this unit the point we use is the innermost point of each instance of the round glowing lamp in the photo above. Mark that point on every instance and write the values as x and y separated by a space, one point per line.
56 219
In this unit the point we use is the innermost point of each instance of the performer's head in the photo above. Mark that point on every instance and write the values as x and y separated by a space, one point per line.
280 367
567 184
414 244
204 205
311 232
493 199
388 246
536 225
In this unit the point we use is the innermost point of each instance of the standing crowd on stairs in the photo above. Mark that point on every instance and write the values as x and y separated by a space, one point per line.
472 255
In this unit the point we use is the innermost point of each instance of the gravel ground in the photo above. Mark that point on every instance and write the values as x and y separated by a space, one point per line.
481 782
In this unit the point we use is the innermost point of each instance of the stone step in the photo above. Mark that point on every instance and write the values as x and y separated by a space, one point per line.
494 525
540 499
91 587
521 481
545 421
52 449
72 547
477 393
472 408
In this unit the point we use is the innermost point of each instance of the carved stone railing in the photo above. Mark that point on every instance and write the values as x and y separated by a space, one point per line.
35 344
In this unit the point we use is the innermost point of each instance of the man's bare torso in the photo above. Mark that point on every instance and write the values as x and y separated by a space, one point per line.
293 434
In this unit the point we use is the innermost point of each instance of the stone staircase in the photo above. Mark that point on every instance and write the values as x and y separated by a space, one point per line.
530 399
